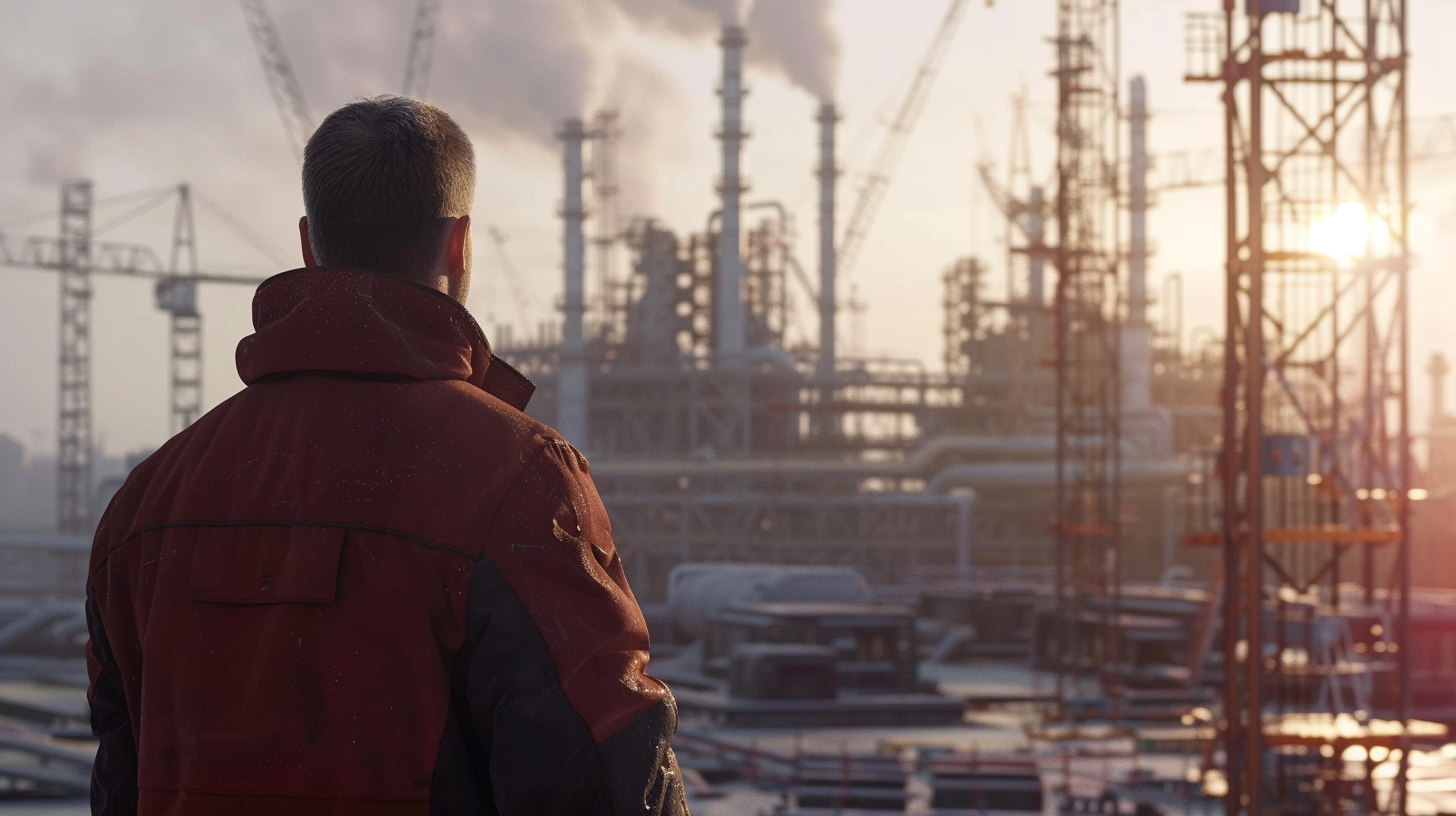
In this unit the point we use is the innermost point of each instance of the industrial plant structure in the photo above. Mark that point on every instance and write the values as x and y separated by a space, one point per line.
711 438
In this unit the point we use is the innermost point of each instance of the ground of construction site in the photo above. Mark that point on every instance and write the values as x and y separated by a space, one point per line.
1023 407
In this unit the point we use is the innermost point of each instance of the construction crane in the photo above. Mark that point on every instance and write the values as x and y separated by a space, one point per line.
509 275
421 49
76 257
282 81
872 195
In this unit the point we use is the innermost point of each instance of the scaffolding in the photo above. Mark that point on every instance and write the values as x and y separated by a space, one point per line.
1312 508
1087 566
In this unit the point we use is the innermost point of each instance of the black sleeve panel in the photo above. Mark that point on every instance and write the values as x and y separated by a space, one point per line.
114 776
515 745
525 749
641 769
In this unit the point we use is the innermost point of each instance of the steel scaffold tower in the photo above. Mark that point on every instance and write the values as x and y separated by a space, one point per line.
74 438
1088 568
1315 463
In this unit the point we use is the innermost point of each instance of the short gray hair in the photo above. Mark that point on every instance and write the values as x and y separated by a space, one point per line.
378 176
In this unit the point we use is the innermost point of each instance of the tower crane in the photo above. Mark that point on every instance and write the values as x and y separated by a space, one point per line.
421 49
508 270
282 82
872 195
76 257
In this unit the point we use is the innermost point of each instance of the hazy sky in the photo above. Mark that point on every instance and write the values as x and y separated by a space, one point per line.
140 94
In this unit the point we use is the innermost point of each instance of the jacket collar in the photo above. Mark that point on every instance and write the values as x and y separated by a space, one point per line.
357 322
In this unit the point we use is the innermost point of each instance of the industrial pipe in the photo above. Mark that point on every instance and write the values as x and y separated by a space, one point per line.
1020 475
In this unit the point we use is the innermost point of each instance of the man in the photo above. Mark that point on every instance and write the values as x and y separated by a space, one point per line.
367 583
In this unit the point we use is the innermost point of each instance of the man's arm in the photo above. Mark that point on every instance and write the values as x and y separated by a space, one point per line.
564 717
114 776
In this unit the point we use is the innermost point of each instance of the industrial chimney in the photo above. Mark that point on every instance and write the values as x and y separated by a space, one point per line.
571 392
828 180
728 316
1036 263
1137 351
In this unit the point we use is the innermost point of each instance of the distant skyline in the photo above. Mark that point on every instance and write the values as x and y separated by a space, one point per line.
154 92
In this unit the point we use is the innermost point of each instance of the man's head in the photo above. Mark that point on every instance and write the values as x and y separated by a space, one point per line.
387 186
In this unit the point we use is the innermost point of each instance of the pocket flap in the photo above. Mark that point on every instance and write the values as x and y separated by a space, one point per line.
266 564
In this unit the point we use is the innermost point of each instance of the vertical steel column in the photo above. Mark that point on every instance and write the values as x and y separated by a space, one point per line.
1235 722
571 394
73 426
728 314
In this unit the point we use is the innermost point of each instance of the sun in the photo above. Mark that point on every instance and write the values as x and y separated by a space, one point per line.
1343 234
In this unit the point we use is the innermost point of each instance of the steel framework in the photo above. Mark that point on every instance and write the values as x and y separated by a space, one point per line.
1315 459
1088 568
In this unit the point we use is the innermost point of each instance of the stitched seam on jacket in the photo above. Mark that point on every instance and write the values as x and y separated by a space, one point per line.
368 528
267 794
541 442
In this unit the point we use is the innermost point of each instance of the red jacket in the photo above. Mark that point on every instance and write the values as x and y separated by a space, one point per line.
369 584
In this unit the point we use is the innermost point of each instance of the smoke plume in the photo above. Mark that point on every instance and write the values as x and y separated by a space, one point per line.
795 38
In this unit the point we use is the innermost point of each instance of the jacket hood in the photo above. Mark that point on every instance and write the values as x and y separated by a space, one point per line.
357 322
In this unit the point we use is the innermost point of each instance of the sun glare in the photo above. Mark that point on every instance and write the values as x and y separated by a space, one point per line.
1343 234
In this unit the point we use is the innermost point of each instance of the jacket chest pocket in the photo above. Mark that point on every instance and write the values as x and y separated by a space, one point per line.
263 564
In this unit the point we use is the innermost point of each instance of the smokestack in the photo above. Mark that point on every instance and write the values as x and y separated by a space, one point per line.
1137 351
828 180
1137 187
728 318
571 393
1036 263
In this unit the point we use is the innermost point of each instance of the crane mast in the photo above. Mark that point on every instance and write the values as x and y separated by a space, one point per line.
421 49
282 81
872 195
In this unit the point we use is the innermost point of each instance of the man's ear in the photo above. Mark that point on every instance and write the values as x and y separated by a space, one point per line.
308 259
457 256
